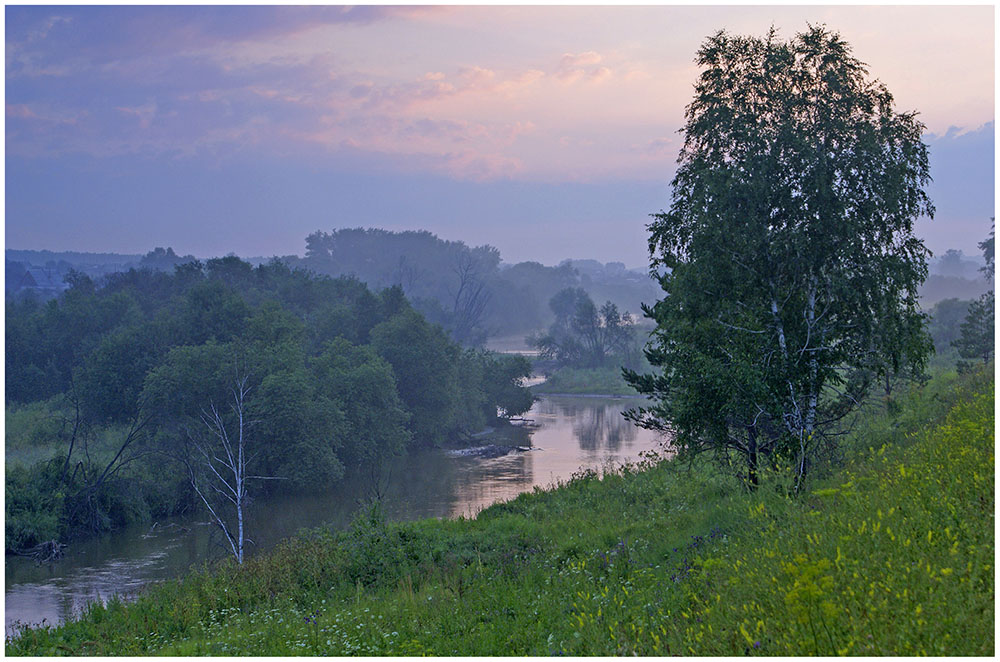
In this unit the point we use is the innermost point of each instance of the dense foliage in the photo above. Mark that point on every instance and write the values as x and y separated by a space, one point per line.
892 555
339 377
585 336
791 265
976 339
467 290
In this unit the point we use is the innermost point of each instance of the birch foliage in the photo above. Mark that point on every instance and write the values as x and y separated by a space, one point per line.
787 255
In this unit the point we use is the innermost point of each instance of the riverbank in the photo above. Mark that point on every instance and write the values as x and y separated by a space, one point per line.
891 554
564 433
585 381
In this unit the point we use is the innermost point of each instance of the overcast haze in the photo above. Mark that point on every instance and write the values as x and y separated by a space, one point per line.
546 132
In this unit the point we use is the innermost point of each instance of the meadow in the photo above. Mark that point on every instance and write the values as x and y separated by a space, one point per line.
585 381
888 552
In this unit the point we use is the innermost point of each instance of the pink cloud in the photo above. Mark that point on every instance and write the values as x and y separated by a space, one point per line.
477 76
657 147
44 115
520 129
569 141
571 61
437 86
573 67
264 92
480 167
20 110
459 148
528 77
145 114
599 74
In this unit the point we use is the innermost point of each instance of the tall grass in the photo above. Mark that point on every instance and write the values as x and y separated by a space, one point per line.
39 431
597 381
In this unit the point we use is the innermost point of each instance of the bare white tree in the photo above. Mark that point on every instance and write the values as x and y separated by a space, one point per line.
219 466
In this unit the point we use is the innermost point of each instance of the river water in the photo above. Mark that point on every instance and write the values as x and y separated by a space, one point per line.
565 434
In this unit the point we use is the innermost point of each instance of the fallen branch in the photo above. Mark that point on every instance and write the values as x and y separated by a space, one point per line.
45 552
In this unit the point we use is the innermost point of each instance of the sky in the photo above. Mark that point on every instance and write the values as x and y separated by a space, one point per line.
548 132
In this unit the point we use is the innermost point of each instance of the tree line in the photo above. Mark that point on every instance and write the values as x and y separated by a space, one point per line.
334 377
467 290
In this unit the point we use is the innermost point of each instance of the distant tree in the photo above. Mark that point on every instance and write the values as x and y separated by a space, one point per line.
302 431
977 332
583 335
521 294
16 276
79 281
364 387
944 321
605 332
471 294
791 263
560 343
504 384
425 366
163 259
188 273
230 269
952 263
110 379
211 311
987 246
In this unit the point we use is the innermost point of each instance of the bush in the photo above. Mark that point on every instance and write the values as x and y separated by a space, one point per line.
32 510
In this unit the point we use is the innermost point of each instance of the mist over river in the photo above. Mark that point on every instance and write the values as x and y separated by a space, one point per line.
566 433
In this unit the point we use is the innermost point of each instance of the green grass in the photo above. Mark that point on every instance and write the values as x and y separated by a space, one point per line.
33 432
38 431
597 381
891 554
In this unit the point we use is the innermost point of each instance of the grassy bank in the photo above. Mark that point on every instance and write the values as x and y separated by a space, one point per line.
890 554
580 381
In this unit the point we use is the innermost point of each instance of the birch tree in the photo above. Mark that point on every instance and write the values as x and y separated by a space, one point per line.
787 256
219 465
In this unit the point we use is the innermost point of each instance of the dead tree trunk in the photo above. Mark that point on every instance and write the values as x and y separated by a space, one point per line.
219 470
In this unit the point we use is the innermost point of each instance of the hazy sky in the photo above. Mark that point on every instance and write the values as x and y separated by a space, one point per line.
548 132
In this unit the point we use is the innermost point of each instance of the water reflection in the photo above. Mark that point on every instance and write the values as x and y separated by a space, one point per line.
597 426
567 434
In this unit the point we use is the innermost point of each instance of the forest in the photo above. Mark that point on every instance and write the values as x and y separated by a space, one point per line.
467 290
110 382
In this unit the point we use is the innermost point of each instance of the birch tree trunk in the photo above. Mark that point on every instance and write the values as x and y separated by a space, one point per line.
224 460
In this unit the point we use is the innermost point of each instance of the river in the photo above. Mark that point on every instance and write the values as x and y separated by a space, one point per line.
566 433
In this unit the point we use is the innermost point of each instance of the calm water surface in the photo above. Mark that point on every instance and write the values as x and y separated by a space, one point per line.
567 434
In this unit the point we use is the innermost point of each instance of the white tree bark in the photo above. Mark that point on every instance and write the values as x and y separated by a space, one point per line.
225 460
